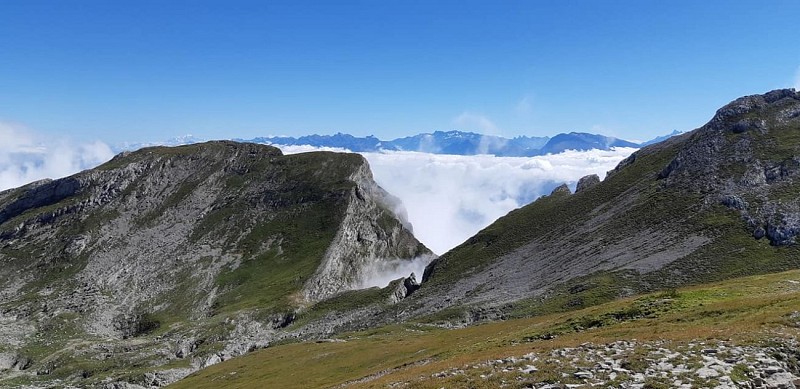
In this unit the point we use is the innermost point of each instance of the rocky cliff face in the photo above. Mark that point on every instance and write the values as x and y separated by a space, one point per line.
367 234
718 202
747 155
176 254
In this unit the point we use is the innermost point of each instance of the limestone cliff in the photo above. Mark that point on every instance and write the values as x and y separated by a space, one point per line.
194 253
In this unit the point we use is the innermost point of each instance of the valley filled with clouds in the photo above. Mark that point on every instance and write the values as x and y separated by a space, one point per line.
451 197
448 197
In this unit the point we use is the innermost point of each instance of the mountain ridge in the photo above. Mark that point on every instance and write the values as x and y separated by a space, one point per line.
678 202
183 257
457 143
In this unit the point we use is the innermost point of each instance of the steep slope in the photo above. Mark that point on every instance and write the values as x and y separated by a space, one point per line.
718 202
169 255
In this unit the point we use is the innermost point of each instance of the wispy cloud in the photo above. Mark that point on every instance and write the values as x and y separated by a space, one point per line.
524 106
26 156
449 198
472 121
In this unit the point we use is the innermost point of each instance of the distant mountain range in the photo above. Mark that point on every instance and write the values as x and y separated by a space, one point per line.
458 143
438 142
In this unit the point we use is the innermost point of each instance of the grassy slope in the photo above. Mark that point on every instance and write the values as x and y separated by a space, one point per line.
639 202
744 310
551 215
310 193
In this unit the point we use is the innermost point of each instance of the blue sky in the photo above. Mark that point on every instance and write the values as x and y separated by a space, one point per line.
149 70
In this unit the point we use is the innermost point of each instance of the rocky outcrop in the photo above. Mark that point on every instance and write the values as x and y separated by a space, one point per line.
403 288
369 232
587 182
562 189
40 194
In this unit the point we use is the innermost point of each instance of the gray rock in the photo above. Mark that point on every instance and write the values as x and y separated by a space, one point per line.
403 288
583 375
759 232
734 202
561 190
587 182
705 372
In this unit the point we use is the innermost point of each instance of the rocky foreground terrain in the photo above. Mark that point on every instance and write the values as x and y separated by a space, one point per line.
741 332
634 364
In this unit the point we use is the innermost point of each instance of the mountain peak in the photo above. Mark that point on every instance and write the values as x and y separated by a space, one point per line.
755 103
185 238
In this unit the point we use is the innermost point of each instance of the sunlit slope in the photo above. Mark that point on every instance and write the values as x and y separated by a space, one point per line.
721 201
149 259
757 312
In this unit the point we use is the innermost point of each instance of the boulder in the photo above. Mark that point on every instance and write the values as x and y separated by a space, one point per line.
403 287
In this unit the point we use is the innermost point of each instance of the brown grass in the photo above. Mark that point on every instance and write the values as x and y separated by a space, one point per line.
742 310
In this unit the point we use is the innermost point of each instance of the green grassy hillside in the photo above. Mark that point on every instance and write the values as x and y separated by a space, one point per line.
751 313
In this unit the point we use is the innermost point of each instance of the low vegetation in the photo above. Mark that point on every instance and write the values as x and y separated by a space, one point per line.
757 311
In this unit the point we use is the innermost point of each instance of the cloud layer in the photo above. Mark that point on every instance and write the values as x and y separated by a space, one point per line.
381 273
451 197
26 157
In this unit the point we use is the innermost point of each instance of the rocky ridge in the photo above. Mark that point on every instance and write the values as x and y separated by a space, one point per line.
182 256
658 220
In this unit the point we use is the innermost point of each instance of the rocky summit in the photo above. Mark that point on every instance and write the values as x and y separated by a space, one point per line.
165 260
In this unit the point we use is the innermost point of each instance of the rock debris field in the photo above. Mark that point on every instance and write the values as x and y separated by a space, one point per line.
634 364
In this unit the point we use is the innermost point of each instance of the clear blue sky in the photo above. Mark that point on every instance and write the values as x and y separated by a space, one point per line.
152 69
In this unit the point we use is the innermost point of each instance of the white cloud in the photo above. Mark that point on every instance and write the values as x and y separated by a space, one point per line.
524 106
472 121
26 157
449 198
381 273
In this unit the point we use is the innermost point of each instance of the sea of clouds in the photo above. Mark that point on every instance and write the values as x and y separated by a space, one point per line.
26 156
448 198
451 197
